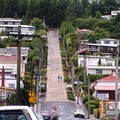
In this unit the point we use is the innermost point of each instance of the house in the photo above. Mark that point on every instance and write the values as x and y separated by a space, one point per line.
9 87
106 46
97 64
87 31
11 63
10 25
104 88
115 12
10 21
12 51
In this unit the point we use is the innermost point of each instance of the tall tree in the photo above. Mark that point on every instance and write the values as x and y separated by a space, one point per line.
10 8
31 12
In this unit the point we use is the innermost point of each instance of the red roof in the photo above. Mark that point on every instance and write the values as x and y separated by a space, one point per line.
110 78
9 59
84 31
105 87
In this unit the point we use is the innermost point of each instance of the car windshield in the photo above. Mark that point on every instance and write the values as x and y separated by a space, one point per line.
12 115
80 111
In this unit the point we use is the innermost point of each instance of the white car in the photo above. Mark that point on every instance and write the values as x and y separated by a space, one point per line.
17 113
79 113
39 116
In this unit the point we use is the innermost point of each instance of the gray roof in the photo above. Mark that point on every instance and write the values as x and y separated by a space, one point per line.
13 51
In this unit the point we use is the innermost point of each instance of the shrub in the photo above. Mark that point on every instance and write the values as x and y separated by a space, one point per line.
96 103
67 79
96 112
94 98
69 88
70 95
92 102
85 99
92 107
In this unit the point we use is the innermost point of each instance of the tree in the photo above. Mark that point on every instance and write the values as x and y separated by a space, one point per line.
9 8
31 12
70 14
66 27
37 23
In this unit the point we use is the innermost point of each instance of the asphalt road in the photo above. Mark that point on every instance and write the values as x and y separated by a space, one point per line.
66 107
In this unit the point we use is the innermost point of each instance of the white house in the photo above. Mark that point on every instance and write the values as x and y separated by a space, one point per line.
10 21
115 12
10 25
97 64
108 41
10 82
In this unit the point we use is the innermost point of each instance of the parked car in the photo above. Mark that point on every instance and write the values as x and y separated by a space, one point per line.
17 113
78 83
79 113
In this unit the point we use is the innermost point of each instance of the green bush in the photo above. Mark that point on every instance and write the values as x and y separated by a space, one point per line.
85 99
70 95
92 102
94 98
69 88
92 107
96 103
96 113
67 79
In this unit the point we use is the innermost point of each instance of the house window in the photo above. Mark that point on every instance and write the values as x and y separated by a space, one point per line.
101 48
31 28
16 29
115 42
11 85
9 29
107 42
98 71
82 62
102 96
5 23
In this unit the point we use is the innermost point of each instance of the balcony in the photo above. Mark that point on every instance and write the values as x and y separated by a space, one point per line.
83 50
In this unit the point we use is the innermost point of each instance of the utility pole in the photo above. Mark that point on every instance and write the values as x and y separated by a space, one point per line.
88 96
38 78
20 36
18 66
116 85
84 70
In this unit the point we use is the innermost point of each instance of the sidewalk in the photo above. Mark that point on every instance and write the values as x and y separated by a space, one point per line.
81 106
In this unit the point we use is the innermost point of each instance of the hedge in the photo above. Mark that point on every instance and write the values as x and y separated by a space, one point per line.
92 107
92 102
70 95
96 113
